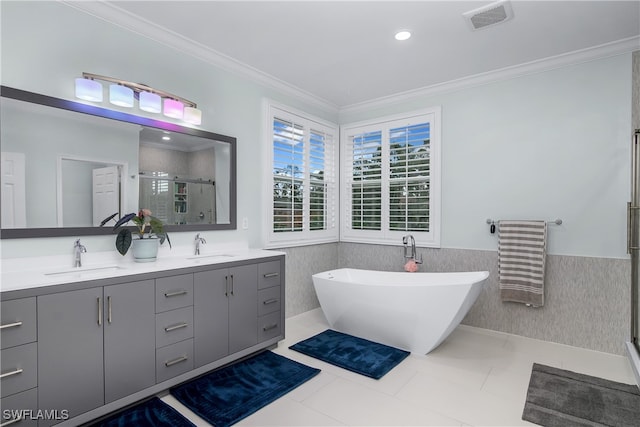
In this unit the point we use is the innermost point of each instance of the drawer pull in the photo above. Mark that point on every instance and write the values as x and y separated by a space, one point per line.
13 421
269 327
11 325
270 275
177 326
270 301
176 360
8 374
175 293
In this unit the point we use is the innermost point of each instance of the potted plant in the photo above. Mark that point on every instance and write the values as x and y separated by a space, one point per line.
150 232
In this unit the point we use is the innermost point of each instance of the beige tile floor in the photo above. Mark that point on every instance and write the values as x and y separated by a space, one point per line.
476 377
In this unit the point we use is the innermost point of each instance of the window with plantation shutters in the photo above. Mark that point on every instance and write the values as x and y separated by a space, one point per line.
391 179
302 179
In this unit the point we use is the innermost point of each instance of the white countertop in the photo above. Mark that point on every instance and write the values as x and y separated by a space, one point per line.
34 272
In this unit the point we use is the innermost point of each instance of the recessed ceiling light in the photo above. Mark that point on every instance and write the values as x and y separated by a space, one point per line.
403 35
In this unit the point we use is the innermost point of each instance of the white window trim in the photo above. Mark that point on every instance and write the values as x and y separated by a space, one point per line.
306 236
386 236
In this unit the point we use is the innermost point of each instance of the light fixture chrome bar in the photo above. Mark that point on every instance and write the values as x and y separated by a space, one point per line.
138 87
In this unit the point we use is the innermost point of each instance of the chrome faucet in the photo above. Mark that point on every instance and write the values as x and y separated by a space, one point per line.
413 255
78 250
199 240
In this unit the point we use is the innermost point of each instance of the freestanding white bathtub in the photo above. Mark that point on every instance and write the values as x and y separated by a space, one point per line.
411 311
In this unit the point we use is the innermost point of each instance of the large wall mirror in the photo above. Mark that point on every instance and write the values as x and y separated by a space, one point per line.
67 167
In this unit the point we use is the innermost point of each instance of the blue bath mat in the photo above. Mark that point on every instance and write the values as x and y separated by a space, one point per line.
234 392
355 354
151 413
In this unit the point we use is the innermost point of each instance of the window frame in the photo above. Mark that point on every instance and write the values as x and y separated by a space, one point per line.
387 236
310 123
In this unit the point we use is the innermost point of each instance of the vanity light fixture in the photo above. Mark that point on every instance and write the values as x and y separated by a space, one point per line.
88 89
173 108
123 93
150 102
120 95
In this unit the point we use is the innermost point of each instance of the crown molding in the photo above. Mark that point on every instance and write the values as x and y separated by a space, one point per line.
113 14
615 48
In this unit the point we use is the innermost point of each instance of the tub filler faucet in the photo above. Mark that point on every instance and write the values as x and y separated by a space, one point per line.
199 240
410 251
78 250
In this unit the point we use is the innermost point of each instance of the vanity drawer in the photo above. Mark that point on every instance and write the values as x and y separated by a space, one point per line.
268 300
173 326
19 369
18 324
269 326
174 360
24 404
268 274
174 292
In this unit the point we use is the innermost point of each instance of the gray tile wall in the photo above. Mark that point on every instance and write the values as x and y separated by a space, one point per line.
587 300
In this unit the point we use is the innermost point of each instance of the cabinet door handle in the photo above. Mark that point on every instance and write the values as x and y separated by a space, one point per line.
8 374
226 286
99 311
109 309
11 325
270 301
175 293
176 360
270 275
232 284
12 421
269 327
177 326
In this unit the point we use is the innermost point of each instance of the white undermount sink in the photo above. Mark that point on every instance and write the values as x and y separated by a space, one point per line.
84 271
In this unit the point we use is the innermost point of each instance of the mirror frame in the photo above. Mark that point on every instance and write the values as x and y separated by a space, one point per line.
36 98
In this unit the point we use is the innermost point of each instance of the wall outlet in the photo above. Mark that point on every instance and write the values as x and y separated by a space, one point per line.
245 223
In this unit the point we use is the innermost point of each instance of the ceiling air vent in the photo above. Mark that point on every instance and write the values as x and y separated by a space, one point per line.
489 15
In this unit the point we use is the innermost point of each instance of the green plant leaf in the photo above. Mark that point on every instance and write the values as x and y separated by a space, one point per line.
123 241
163 237
156 225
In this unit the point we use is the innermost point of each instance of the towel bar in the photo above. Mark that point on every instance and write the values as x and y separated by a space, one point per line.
492 223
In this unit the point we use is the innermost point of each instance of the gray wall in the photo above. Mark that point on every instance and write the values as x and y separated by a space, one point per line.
586 299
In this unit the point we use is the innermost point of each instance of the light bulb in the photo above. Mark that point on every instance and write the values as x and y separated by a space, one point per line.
121 96
173 108
89 90
150 102
192 115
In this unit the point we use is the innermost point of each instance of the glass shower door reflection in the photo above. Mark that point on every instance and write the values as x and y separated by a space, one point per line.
633 248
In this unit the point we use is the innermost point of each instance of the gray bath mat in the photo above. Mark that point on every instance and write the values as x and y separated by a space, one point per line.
557 397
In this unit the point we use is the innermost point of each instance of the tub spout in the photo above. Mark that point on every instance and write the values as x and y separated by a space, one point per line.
410 250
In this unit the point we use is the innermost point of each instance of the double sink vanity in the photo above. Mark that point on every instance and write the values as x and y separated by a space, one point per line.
82 342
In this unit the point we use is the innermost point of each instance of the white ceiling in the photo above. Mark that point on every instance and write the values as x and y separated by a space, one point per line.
344 52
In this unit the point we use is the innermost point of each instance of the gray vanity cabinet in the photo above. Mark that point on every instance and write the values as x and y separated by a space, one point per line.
70 351
129 341
95 345
225 315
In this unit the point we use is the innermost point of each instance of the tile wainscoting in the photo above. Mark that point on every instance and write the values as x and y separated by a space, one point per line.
301 263
587 300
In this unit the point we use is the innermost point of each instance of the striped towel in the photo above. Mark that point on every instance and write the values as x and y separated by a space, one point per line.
521 260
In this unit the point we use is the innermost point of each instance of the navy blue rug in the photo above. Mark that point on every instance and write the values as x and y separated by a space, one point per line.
234 392
355 354
151 413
